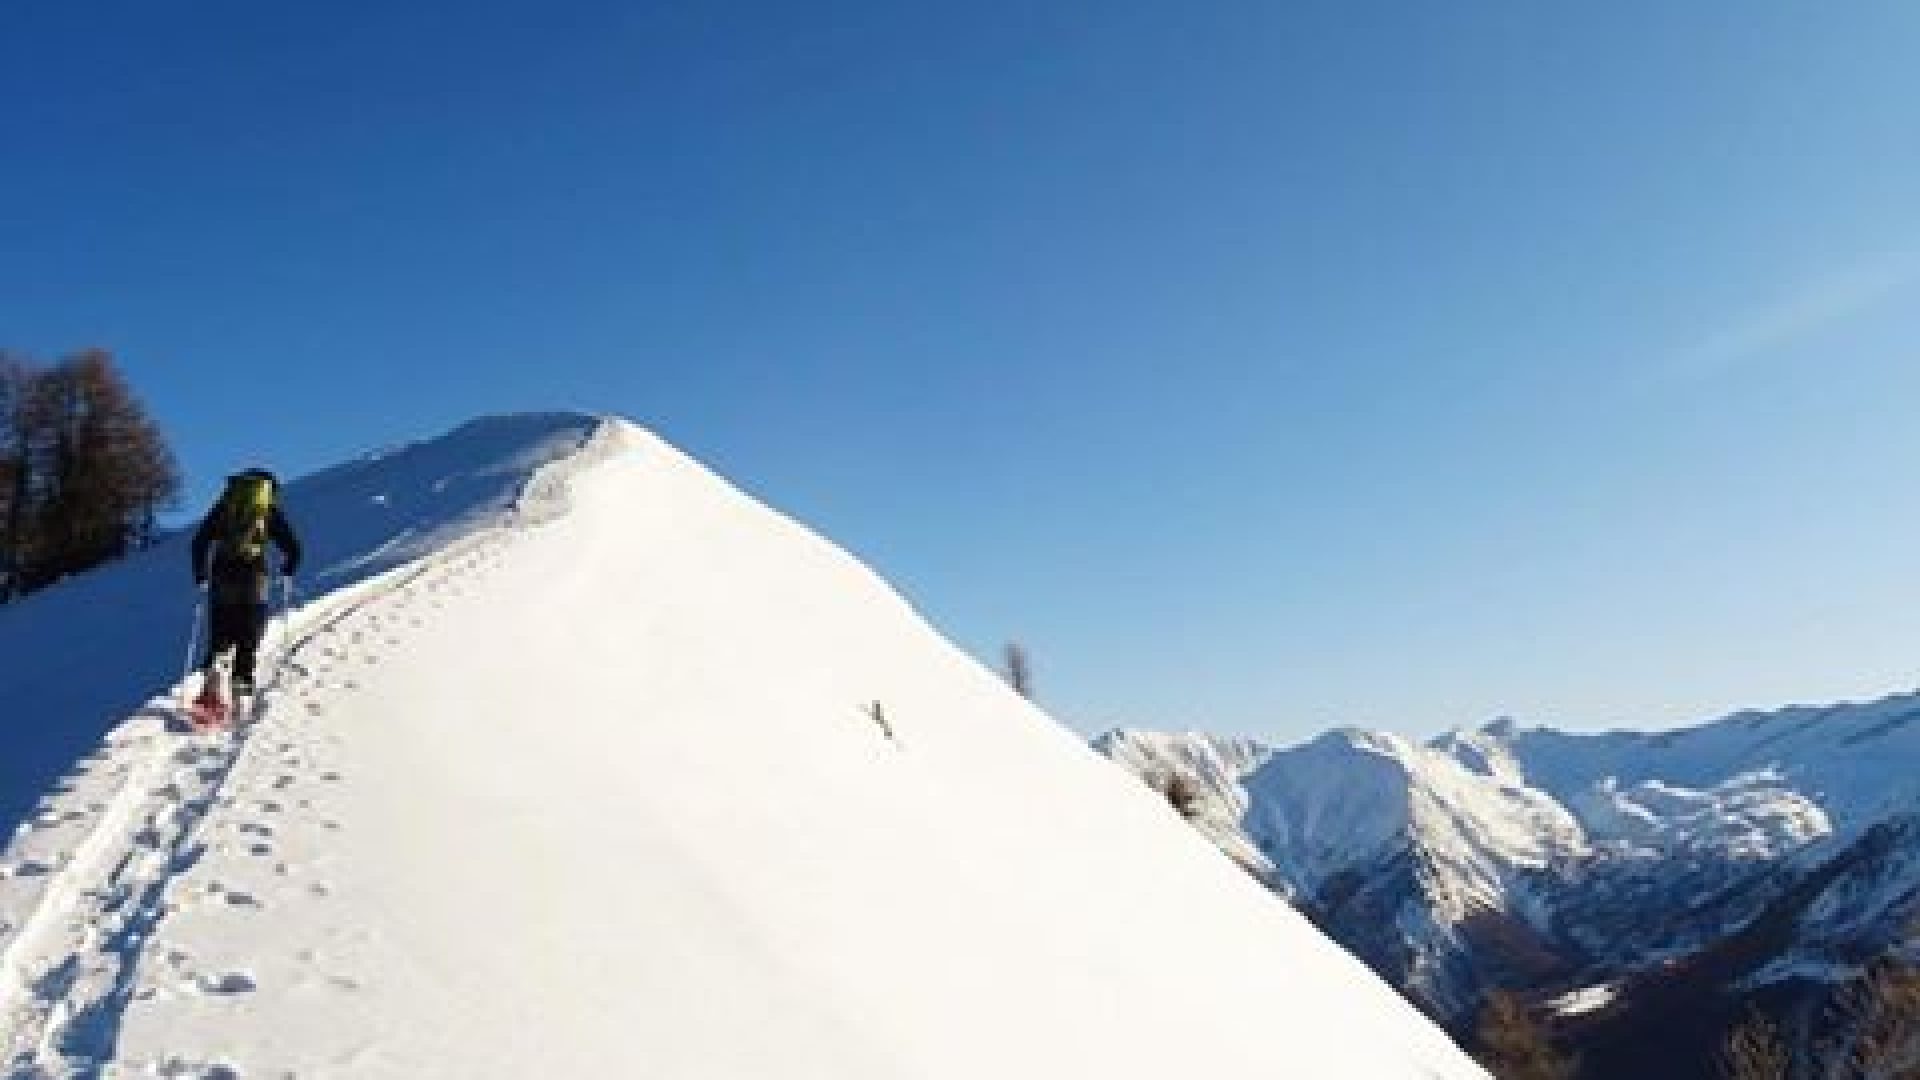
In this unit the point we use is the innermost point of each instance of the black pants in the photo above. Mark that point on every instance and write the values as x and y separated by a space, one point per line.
237 627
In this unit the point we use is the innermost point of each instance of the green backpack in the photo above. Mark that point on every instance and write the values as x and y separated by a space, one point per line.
242 522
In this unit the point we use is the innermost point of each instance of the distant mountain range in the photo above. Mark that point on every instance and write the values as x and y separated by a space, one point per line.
1650 888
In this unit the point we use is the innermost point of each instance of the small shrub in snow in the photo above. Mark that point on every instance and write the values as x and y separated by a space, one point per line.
1755 1051
1516 1046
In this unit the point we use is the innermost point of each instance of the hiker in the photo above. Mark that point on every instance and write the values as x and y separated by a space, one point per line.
230 561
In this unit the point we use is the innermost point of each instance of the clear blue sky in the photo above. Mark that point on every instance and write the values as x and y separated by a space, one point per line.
1262 366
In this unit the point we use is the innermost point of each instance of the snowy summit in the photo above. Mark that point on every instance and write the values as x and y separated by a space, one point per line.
574 760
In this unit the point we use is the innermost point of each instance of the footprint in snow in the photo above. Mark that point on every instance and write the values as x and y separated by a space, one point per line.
176 1069
231 982
233 897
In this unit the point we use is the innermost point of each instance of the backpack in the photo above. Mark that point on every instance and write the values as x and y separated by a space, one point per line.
240 529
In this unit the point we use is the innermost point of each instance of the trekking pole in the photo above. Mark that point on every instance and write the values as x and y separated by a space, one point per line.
276 613
287 592
281 619
193 639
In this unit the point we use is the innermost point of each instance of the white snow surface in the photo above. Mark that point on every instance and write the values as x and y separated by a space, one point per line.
595 766
1585 1000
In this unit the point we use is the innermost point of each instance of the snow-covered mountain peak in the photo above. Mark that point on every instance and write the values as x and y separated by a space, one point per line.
1849 760
578 761
1484 752
1384 744
1501 727
1351 796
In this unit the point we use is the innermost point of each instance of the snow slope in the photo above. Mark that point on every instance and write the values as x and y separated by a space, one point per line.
83 655
598 767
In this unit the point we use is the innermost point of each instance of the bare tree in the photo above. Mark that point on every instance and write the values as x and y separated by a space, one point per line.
1755 1051
25 409
1019 670
1516 1046
13 471
1881 1016
1179 789
86 472
1873 1027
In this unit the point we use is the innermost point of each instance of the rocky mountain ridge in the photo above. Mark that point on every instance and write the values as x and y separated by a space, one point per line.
1761 856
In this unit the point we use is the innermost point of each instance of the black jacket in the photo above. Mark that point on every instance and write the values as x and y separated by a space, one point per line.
237 579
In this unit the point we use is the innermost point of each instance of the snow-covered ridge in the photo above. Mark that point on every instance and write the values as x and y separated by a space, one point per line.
1850 759
580 761
90 651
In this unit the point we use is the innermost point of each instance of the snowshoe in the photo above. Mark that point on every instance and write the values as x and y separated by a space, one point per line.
210 710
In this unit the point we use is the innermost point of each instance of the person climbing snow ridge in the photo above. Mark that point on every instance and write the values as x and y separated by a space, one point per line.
230 562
